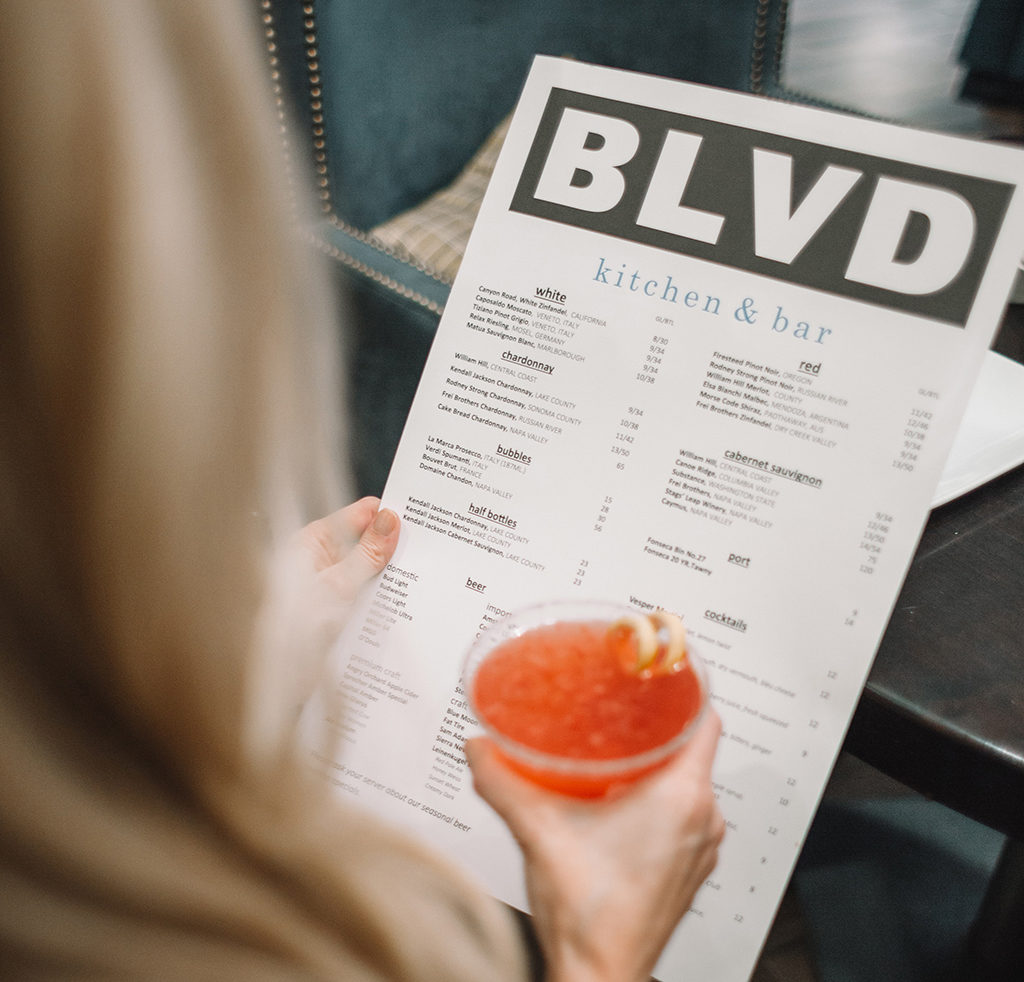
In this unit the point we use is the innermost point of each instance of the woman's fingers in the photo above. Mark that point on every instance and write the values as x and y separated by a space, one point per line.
693 764
510 795
353 545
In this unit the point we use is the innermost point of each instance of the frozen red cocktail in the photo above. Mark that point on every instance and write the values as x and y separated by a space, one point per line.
576 698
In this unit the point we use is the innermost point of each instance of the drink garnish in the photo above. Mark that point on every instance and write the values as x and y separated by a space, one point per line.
659 639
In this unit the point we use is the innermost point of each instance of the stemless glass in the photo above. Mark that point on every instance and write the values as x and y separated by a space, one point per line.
560 715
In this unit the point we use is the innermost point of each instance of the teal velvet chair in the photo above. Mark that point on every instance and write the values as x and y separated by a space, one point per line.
391 98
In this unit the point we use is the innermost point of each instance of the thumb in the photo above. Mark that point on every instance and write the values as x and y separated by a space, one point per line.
367 557
512 797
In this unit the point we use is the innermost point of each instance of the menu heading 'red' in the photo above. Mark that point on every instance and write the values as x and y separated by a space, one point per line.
877 230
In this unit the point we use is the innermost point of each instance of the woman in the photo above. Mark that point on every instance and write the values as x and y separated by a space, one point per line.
165 397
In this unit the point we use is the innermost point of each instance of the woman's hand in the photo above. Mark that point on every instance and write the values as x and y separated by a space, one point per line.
352 545
608 881
313 585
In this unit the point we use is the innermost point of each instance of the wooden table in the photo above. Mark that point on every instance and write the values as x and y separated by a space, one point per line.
943 708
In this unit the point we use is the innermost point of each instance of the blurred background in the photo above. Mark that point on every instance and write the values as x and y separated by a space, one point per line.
889 883
897 59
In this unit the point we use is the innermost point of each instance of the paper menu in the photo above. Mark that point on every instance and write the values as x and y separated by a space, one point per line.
706 352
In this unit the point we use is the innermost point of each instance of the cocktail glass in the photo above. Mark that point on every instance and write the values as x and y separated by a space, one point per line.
557 693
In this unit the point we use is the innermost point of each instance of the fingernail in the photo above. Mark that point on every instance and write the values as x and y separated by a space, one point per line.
385 522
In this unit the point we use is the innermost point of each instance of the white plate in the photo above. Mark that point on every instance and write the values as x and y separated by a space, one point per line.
991 436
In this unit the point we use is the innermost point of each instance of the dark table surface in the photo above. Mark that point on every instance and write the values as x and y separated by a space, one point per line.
943 709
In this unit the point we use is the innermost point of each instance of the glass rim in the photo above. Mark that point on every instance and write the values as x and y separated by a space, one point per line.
518 622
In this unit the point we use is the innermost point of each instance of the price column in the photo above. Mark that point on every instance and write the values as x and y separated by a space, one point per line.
645 372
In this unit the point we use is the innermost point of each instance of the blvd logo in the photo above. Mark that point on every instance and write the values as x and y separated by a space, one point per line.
870 228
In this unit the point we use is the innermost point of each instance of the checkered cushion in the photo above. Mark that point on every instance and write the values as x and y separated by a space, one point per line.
434 234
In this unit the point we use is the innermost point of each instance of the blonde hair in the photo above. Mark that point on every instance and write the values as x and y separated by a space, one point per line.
167 387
